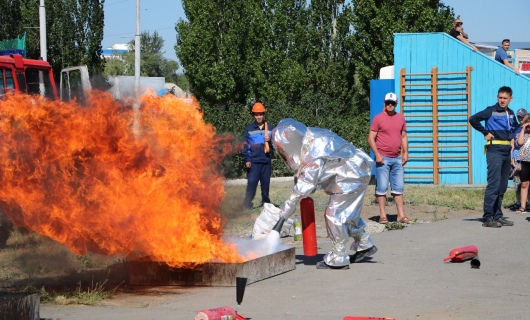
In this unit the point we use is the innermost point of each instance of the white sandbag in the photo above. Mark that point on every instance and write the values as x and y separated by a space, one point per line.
266 221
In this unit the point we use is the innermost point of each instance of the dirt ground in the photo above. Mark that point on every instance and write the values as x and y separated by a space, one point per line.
422 213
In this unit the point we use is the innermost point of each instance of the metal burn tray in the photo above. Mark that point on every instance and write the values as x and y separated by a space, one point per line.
19 305
153 273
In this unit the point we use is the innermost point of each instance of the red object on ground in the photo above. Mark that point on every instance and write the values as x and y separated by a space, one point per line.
367 318
309 231
240 317
462 254
216 314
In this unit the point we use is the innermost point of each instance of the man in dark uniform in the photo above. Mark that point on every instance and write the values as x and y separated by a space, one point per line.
257 154
498 132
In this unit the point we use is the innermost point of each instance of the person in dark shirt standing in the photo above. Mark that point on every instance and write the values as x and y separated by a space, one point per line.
458 32
257 154
498 132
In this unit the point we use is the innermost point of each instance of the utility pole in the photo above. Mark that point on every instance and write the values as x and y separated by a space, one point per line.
136 50
136 106
42 23
43 51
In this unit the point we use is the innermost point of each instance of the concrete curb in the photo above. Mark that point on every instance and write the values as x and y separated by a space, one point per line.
240 182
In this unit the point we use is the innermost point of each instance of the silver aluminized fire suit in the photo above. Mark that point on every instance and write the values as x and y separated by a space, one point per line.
321 159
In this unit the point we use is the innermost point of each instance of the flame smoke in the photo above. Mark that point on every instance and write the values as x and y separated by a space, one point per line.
78 175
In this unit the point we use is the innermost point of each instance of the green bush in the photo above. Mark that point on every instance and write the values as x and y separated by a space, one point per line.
313 109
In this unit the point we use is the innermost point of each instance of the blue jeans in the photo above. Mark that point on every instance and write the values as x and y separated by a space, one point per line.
391 171
499 165
258 172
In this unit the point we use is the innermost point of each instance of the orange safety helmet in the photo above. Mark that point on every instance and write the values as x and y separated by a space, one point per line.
258 107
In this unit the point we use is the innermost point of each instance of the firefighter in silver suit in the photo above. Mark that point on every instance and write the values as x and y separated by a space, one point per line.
323 160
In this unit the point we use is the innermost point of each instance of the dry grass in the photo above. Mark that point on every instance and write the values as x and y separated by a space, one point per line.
445 196
240 221
33 256
32 263
91 295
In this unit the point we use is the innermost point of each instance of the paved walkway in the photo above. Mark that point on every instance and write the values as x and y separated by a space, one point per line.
406 279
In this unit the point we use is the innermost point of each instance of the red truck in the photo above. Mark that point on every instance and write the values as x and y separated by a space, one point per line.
35 77
27 76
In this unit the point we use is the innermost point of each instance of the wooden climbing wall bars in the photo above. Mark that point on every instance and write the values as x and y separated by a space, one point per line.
437 106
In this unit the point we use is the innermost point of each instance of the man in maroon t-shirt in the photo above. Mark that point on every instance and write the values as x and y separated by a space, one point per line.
389 143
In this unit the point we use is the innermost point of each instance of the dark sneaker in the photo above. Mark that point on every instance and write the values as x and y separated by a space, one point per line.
504 222
490 223
360 255
323 265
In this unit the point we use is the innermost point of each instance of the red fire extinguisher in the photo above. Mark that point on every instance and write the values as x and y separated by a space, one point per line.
367 318
309 231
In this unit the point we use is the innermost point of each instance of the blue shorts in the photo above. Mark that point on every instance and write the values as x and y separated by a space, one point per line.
389 172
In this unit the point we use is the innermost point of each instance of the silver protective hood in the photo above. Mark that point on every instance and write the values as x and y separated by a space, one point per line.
287 138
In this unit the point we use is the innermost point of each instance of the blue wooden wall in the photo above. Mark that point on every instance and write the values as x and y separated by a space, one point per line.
420 52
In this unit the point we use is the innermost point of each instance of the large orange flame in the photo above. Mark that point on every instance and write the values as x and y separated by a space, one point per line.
82 176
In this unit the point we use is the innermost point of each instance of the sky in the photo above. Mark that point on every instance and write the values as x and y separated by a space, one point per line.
484 20
155 15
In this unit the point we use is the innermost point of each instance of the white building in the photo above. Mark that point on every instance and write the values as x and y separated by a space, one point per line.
115 50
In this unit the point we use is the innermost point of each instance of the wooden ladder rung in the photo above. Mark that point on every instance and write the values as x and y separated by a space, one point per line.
453 94
417 94
450 83
452 167
417 84
419 177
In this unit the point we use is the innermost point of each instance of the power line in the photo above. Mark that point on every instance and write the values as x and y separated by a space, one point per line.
132 33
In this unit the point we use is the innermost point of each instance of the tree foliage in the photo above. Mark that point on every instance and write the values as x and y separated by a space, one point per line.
10 15
19 17
375 22
309 60
75 33
74 30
